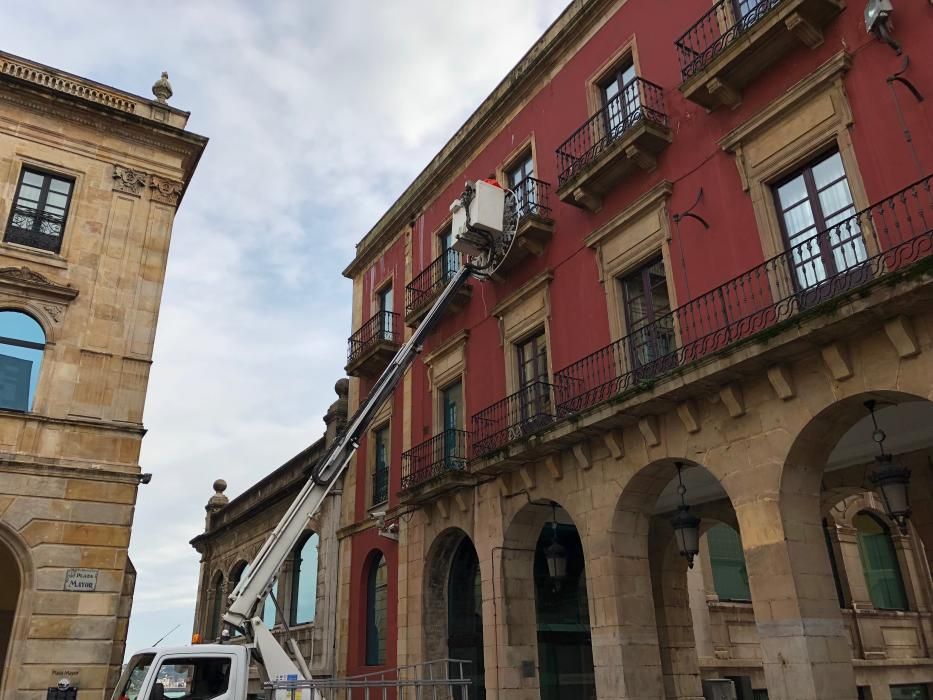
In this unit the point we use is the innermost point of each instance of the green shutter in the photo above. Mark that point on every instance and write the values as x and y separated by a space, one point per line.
728 561
879 562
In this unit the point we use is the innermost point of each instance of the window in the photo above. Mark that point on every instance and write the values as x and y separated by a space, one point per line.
217 609
22 342
920 691
39 210
621 101
521 183
647 315
452 415
268 606
728 563
134 675
304 581
812 203
192 677
377 611
384 299
451 258
381 470
534 398
879 562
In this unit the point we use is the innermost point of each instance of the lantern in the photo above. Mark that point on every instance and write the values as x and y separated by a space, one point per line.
890 479
686 525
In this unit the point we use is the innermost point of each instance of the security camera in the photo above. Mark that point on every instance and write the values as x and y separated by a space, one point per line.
378 515
145 478
876 14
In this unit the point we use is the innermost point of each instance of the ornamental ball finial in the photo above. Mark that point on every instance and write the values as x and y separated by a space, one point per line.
220 486
162 88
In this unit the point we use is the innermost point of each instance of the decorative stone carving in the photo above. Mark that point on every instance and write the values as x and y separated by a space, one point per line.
162 88
128 180
54 311
165 190
22 278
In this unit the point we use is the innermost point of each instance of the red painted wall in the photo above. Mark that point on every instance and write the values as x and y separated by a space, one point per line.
701 259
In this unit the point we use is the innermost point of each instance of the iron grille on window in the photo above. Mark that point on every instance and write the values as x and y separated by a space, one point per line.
40 209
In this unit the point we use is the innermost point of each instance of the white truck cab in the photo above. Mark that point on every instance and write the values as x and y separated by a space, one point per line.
202 672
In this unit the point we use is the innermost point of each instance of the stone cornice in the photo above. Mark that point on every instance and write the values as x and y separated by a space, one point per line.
83 89
125 125
516 87
648 201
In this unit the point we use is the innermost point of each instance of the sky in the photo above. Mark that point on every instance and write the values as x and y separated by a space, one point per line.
319 115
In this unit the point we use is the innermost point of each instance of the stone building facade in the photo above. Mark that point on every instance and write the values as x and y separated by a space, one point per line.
306 589
90 180
720 280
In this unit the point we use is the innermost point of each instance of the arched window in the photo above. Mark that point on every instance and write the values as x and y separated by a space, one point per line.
268 606
236 573
728 563
879 562
304 580
377 611
465 616
22 342
217 609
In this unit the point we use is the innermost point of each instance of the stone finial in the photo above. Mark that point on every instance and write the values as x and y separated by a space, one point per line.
162 88
336 417
218 500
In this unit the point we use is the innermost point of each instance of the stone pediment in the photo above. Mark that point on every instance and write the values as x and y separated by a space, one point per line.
32 283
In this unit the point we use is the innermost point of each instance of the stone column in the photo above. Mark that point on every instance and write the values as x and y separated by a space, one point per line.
514 662
806 651
626 652
677 646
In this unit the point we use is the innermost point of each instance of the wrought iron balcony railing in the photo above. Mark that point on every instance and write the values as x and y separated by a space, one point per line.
532 196
384 327
445 452
37 229
831 263
525 412
424 288
638 101
718 29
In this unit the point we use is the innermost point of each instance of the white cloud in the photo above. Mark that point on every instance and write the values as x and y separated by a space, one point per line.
319 114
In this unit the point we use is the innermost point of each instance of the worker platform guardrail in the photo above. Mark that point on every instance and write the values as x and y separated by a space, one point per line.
441 679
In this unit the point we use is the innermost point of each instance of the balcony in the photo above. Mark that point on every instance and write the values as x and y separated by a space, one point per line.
623 137
370 349
517 416
424 289
535 223
37 229
737 40
435 466
805 280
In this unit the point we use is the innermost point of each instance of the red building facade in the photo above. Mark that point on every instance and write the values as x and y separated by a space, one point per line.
696 181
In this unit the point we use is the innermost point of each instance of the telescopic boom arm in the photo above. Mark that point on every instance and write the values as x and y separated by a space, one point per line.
257 580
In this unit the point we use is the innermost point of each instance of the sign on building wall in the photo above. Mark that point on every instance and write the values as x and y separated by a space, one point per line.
84 580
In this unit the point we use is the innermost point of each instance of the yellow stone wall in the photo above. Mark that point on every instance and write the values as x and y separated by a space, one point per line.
69 467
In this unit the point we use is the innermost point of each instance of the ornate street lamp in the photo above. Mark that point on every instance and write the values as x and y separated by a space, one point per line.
686 525
889 478
555 554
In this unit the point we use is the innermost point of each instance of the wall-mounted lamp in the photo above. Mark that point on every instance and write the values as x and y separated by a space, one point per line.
686 525
889 478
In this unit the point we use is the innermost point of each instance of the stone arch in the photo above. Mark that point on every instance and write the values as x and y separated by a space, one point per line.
533 601
441 630
15 557
656 622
